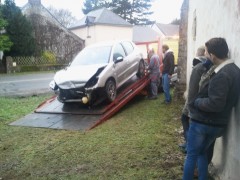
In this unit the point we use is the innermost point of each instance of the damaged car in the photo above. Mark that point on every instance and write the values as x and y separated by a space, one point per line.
98 71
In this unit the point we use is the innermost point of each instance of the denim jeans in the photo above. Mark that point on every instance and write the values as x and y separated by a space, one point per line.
200 137
185 123
166 87
154 88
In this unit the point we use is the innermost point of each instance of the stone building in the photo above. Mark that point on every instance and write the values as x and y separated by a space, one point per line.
50 35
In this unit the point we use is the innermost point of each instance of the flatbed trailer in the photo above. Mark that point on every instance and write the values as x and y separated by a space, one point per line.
75 116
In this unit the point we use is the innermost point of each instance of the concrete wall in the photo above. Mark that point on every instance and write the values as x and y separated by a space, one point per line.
98 33
219 18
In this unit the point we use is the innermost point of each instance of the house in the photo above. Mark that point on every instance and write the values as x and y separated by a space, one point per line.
101 25
167 31
50 35
145 38
217 19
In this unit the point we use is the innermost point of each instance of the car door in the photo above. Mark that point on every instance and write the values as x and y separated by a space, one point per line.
120 68
132 58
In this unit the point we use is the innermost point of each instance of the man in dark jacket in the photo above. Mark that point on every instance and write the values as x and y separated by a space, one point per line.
168 69
200 66
211 109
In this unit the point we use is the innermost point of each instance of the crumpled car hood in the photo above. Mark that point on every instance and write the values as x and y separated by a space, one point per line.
75 77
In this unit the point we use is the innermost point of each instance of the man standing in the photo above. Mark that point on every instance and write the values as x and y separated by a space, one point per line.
154 74
200 66
211 109
168 69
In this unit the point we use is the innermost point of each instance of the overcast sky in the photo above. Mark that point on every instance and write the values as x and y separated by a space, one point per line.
164 10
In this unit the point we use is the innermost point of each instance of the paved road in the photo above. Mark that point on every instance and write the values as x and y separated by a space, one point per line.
25 84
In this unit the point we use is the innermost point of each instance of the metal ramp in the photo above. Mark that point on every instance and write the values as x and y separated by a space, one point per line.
74 116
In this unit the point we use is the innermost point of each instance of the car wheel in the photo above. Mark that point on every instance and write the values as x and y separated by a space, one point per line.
110 89
141 69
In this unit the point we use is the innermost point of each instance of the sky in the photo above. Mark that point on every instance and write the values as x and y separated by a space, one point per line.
165 11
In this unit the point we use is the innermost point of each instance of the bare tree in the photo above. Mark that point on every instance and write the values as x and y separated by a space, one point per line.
64 16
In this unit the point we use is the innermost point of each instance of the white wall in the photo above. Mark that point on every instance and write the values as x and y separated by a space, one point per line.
98 33
219 18
113 33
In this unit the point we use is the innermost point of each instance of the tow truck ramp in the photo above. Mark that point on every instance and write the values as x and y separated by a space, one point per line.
74 116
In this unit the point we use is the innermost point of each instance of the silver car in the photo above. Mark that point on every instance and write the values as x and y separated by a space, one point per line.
98 71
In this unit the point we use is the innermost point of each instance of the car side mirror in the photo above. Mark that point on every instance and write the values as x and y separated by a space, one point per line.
119 59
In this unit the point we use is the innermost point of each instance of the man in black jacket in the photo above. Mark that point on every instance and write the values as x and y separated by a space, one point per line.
211 109
168 69
200 65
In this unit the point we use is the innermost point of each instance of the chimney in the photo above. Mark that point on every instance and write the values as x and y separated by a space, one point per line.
34 2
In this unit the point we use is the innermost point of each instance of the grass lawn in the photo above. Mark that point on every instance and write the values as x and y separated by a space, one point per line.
139 142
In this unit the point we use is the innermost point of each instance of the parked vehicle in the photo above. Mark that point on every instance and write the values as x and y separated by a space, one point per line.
98 71
174 78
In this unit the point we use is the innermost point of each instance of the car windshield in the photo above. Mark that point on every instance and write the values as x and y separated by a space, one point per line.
93 55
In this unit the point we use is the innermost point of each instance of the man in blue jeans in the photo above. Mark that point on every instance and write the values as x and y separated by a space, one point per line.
200 66
168 69
211 109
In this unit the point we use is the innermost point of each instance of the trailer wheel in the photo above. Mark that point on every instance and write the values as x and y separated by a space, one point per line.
111 90
141 69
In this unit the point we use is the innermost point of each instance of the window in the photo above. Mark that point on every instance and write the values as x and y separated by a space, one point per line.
89 56
118 52
194 26
128 47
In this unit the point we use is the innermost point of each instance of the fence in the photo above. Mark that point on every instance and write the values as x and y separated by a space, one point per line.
24 64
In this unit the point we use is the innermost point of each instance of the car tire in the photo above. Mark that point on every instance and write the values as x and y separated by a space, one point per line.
111 90
141 69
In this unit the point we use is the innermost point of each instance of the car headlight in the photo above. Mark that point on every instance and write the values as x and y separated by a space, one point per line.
53 85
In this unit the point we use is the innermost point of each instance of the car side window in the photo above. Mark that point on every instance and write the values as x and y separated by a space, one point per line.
128 47
118 52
